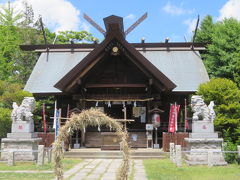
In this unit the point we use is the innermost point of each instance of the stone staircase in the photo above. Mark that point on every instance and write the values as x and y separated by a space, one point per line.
95 153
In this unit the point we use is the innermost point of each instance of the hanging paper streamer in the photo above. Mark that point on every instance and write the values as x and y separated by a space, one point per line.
109 104
143 114
135 104
84 130
69 130
55 111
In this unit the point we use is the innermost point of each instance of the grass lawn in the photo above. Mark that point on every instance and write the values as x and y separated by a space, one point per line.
164 169
25 176
67 163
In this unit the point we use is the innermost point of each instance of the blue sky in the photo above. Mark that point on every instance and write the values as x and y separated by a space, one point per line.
166 18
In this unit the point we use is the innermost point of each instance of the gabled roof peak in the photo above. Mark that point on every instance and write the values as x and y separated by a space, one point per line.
113 23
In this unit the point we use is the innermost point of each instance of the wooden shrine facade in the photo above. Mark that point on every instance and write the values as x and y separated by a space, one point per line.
116 74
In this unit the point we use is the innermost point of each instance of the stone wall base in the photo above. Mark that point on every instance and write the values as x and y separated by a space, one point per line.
22 148
199 149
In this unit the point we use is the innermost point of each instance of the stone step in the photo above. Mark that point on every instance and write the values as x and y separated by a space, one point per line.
113 157
147 157
146 153
85 154
112 153
90 153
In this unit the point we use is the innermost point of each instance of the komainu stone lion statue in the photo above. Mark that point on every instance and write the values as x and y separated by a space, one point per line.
24 111
201 111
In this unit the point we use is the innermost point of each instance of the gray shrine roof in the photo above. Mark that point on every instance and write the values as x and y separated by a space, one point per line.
184 68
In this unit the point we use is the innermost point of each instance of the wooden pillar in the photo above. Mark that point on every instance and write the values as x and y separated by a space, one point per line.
82 106
83 139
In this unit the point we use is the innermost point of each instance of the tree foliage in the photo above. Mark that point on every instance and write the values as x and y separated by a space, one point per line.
9 93
74 37
5 121
14 31
206 30
222 58
8 16
49 111
17 28
226 96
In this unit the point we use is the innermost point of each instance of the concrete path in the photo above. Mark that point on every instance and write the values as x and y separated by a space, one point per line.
104 169
139 171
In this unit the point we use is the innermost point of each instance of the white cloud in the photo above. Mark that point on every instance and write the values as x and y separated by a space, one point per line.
191 23
57 14
130 17
174 10
85 27
230 9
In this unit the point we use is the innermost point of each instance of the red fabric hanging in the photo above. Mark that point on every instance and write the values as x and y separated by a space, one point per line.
44 118
173 115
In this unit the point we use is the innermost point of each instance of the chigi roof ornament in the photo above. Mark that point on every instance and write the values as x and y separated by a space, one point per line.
112 21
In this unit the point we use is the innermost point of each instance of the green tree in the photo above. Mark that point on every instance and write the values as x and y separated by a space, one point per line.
8 16
206 30
76 36
5 122
9 50
226 96
49 111
223 47
9 93
16 30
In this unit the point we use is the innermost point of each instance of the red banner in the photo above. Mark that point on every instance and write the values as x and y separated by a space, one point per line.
186 120
44 118
173 115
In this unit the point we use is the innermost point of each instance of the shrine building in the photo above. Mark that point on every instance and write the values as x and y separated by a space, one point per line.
114 74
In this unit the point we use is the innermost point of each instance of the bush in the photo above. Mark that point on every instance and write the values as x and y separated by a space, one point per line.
221 90
5 122
230 157
226 97
9 93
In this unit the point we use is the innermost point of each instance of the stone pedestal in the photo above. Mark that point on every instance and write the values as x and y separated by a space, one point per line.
202 129
199 149
201 142
23 142
23 126
24 145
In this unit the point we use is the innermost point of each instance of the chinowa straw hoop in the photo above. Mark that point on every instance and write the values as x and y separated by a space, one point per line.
91 117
